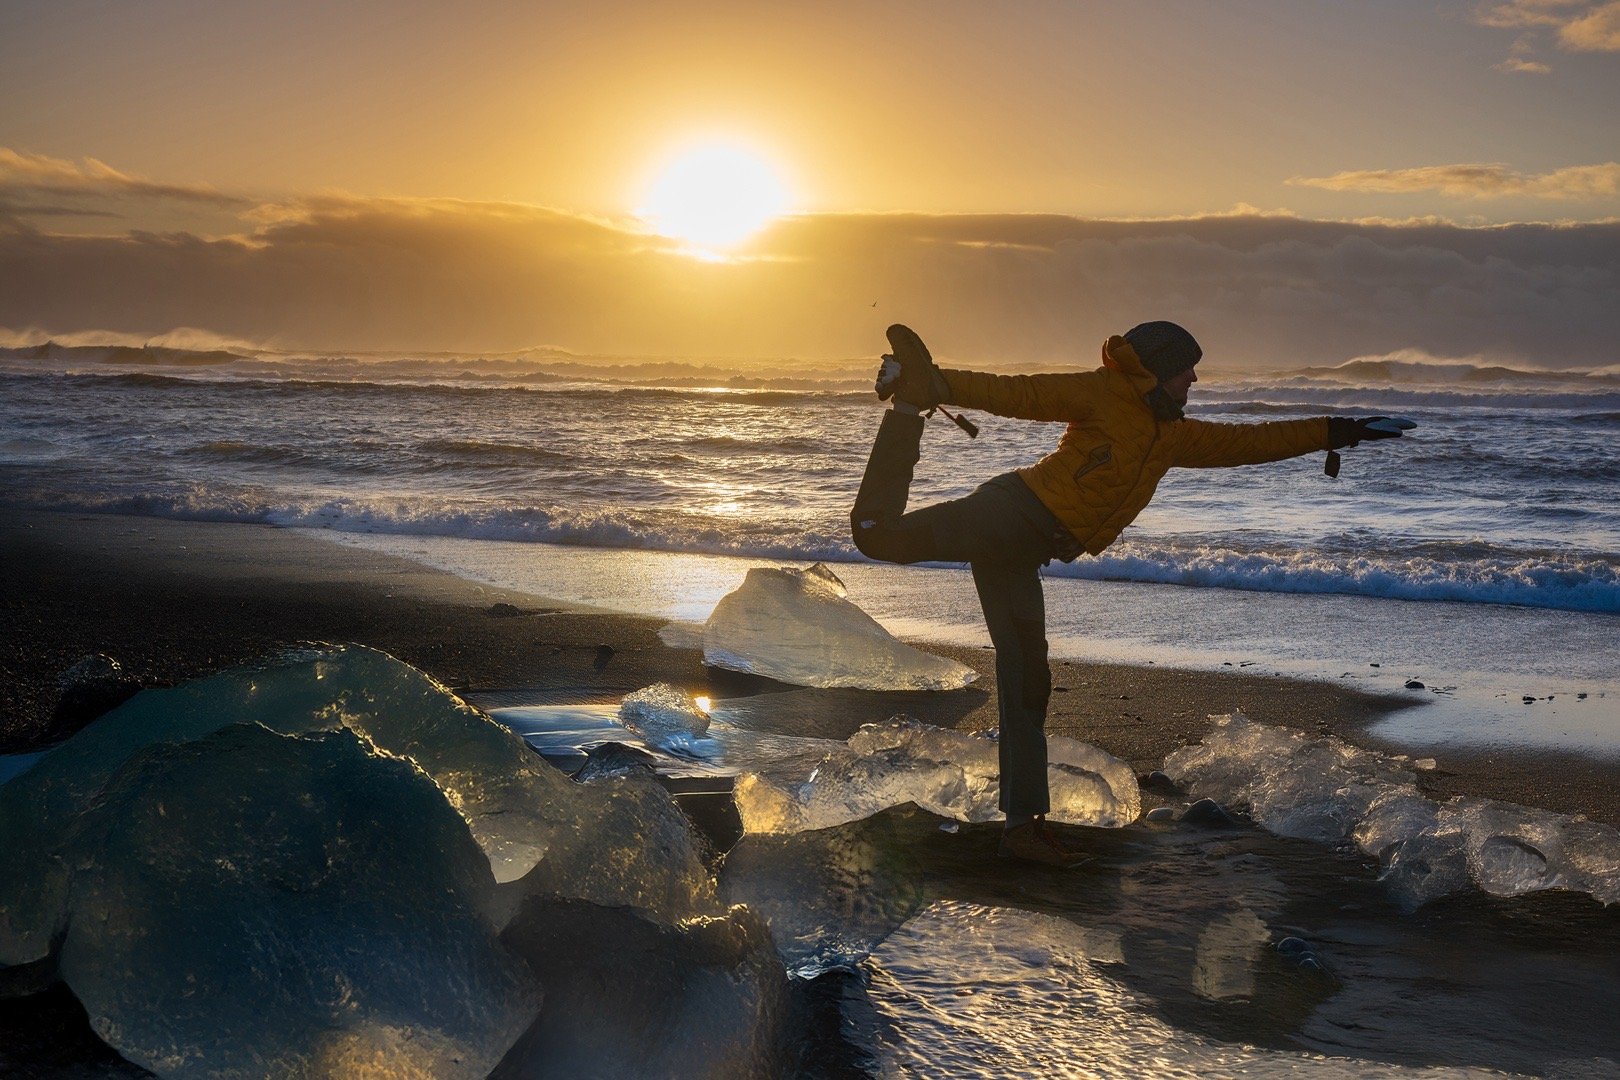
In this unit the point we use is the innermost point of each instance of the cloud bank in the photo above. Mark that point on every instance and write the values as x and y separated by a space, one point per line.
438 275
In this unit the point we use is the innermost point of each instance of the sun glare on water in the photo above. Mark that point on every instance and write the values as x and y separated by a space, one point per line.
714 196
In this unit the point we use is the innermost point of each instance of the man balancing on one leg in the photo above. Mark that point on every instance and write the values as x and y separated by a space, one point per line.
1126 430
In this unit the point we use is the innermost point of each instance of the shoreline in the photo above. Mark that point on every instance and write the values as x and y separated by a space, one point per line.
174 600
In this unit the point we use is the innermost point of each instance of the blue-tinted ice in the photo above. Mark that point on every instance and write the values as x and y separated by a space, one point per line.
308 868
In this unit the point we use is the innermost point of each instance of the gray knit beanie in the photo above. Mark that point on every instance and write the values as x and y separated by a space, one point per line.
1164 348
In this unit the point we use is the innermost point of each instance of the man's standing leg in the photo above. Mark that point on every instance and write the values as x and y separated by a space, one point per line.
1015 612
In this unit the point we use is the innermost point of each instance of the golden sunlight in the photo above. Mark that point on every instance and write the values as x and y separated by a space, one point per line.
715 195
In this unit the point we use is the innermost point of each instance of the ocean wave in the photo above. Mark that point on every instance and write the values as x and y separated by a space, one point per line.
524 453
1404 369
581 392
1467 572
774 444
254 453
1260 397
1544 580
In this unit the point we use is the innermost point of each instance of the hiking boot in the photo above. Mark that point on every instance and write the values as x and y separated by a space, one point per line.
1035 842
909 374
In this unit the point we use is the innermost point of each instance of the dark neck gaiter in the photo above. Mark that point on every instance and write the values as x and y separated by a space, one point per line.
1163 405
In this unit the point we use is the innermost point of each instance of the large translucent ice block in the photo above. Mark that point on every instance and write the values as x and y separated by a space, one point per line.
796 626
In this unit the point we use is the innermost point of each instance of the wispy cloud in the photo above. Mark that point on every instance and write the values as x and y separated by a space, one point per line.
86 188
1523 67
1477 181
1575 26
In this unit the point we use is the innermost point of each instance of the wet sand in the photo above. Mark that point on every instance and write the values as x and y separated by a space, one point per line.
173 600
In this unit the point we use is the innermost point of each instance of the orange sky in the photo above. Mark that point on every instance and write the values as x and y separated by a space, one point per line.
435 124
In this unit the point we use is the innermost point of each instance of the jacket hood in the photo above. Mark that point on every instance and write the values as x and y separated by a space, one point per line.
1118 356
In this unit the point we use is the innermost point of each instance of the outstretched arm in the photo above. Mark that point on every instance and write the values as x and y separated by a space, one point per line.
1205 445
1065 395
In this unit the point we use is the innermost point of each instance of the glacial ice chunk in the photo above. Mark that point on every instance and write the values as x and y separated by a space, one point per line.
255 904
1324 789
796 626
519 810
668 718
949 773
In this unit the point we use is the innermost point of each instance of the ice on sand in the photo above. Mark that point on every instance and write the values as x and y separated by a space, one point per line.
292 870
796 626
950 773
1321 788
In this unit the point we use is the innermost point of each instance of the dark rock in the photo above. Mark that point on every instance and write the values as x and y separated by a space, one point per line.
504 610
1293 946
615 759
604 653
1159 783
1207 812
1160 813
617 984
1413 684
1374 664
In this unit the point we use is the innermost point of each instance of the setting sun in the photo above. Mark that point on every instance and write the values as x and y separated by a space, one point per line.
715 195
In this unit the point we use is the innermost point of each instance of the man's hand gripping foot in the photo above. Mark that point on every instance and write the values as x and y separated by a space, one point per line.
909 376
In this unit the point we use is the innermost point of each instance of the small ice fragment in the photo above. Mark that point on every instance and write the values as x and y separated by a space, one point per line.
795 626
950 827
1425 764
664 715
1160 813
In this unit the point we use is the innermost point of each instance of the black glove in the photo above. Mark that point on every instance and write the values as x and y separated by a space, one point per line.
1344 431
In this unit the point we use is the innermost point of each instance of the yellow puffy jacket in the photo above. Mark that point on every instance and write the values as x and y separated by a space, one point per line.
1115 451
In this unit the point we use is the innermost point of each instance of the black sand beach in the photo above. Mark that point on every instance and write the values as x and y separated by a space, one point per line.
172 600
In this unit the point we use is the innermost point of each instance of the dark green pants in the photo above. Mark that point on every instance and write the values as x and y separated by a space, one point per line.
1005 534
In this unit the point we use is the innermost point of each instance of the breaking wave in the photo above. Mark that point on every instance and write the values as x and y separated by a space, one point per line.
1463 572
